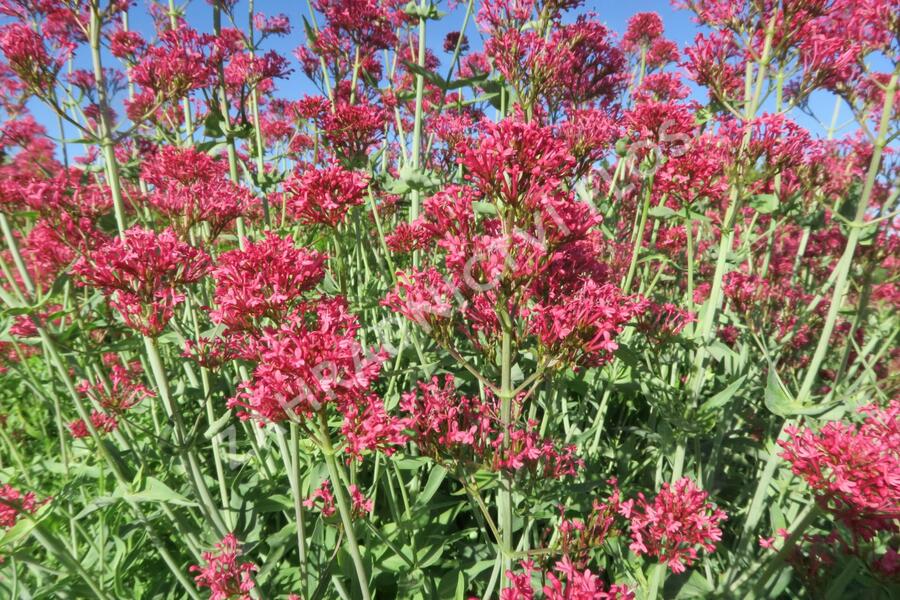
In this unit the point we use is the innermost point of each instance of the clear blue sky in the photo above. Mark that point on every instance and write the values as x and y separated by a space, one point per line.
615 14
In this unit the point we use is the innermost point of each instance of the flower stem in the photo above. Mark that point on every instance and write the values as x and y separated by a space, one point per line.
343 507
841 284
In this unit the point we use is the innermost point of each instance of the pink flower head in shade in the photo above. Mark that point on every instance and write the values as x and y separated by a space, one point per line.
142 275
853 468
578 538
581 328
466 431
322 499
14 503
264 280
352 129
124 390
675 524
563 582
425 298
102 423
323 196
662 322
226 578
361 505
311 360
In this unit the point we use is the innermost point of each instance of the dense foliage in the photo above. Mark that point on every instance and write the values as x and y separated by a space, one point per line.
538 310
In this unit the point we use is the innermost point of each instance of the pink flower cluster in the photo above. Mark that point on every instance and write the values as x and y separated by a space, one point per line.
317 196
466 431
583 329
263 282
564 582
142 275
311 360
675 524
322 499
853 468
223 574
121 393
191 187
101 422
14 503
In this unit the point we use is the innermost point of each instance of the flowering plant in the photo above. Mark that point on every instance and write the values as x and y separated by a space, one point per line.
494 299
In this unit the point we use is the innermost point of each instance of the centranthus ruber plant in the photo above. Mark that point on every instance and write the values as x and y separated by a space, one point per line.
500 300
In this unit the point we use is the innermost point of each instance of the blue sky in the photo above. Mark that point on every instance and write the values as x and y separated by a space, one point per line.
615 14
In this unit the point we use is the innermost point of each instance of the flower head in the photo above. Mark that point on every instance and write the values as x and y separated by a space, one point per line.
223 574
14 503
323 196
142 275
263 280
675 524
852 468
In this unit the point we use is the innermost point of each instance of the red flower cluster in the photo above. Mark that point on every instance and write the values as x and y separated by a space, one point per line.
262 283
311 360
323 196
674 525
101 422
191 187
853 469
121 393
226 578
582 330
142 275
564 582
14 503
467 432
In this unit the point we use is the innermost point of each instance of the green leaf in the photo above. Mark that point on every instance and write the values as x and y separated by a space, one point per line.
24 527
661 212
780 402
723 397
435 478
484 208
217 426
434 78
696 586
777 398
764 203
156 491
418 179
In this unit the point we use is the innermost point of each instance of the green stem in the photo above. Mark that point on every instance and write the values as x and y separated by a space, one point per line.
638 240
504 494
106 141
841 285
187 454
16 255
58 549
343 507
415 159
